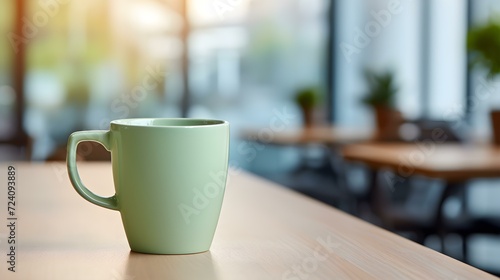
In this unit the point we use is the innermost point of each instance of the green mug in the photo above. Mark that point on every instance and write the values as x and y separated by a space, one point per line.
169 176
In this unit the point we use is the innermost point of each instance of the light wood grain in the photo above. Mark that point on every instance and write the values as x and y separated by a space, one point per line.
451 162
265 232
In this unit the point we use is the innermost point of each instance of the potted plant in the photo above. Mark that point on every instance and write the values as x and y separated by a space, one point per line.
381 97
308 99
483 43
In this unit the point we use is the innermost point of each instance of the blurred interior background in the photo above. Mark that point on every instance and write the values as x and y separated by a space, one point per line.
68 65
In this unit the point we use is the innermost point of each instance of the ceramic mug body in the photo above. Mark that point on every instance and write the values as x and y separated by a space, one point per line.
169 176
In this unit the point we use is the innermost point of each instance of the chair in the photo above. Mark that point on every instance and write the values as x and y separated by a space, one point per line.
466 225
411 205
414 210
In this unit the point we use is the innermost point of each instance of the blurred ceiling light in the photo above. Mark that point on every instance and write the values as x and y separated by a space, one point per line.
153 17
217 12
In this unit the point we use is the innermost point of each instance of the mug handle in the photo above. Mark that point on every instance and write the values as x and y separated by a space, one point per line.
101 137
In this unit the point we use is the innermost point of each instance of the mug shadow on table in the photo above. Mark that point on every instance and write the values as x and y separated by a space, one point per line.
194 266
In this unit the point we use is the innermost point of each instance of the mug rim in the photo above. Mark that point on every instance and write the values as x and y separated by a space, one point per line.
150 122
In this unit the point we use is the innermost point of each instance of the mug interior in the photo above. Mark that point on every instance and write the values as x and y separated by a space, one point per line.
181 122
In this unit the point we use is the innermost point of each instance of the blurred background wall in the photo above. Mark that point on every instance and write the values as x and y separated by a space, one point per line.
88 62
67 65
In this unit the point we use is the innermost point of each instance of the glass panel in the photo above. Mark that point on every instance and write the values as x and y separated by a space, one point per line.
447 73
381 36
7 94
484 94
217 12
246 66
90 62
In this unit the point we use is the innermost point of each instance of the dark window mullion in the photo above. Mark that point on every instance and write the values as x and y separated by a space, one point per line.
331 62
425 35
18 73
468 79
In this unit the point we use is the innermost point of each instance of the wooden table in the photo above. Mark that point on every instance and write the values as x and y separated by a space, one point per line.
265 232
328 135
451 162
454 163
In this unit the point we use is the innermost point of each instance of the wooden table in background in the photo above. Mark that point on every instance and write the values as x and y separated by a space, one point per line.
454 163
451 162
265 232
328 135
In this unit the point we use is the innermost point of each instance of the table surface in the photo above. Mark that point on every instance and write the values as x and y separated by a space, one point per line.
451 162
265 232
329 135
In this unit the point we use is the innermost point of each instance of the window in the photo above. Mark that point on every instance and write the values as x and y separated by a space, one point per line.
421 42
483 94
88 62
249 58
7 93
